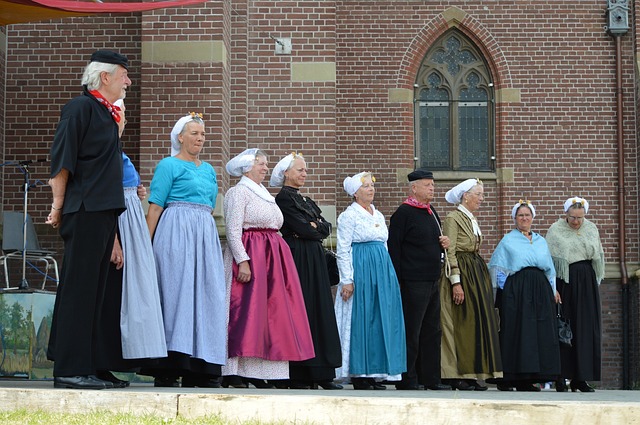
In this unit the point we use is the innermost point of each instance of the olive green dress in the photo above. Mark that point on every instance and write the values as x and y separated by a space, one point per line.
470 343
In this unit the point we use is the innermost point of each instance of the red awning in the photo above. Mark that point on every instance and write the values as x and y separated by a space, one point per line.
20 11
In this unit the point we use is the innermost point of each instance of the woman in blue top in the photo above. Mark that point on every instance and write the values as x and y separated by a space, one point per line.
189 260
522 269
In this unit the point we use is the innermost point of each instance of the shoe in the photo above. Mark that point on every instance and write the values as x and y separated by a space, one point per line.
107 384
561 385
258 383
110 377
376 385
414 387
504 387
439 387
581 386
166 382
477 386
460 384
203 381
299 385
361 384
527 387
79 382
330 385
281 384
233 381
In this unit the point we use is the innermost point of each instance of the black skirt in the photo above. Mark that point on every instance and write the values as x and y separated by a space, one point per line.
316 290
528 328
581 305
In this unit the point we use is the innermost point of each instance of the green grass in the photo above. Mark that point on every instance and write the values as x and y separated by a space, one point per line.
38 417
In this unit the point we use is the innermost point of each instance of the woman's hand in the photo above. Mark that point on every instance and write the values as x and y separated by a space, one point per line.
347 291
558 299
457 294
117 257
142 192
244 272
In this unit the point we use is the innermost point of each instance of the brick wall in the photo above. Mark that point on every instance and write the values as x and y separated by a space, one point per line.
557 133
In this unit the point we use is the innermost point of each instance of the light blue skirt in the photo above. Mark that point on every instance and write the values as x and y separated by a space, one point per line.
191 278
141 323
377 336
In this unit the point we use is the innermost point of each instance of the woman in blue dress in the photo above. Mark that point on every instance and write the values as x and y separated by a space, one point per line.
368 304
189 261
522 269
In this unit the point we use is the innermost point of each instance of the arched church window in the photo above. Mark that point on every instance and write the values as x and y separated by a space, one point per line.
454 107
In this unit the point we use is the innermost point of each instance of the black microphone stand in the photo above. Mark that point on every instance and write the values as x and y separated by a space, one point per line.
24 167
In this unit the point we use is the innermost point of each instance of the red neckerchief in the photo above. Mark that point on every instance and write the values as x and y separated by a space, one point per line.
415 203
113 109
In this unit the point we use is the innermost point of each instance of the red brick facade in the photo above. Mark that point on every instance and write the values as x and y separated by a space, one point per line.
552 63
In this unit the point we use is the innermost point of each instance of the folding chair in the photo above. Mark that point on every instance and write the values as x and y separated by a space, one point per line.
13 243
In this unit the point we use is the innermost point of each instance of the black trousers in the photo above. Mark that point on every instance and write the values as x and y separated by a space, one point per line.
88 241
421 307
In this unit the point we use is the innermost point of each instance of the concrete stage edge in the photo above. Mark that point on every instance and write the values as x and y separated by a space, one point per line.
334 407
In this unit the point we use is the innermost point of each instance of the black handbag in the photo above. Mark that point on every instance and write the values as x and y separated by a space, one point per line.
332 266
332 262
565 334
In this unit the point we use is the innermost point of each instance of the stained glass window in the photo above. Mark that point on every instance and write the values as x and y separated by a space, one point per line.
454 107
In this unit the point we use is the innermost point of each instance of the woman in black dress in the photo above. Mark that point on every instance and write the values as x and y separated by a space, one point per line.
304 229
578 257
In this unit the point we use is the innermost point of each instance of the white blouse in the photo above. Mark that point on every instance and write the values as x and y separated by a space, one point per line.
356 224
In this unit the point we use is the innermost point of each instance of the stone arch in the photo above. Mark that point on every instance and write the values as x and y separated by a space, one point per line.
467 25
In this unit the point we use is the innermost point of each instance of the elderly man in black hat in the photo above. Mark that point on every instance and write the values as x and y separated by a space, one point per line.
86 181
416 246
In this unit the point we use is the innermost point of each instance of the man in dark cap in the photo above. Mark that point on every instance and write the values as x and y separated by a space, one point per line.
416 246
86 181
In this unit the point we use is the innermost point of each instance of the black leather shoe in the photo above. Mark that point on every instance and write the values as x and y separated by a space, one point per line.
409 387
376 385
195 381
527 387
361 384
78 383
166 382
561 385
439 387
299 385
460 385
110 377
233 381
258 383
330 385
581 386
477 386
504 387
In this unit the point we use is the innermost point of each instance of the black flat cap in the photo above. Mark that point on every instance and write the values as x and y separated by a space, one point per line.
107 56
420 173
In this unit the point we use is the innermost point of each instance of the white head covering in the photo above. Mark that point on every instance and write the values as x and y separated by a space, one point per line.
576 200
177 129
521 202
242 163
353 183
277 175
454 196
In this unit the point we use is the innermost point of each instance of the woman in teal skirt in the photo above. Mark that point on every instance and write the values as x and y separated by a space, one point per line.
368 303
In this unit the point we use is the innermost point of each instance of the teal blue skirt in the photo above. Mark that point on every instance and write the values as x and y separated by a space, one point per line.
378 342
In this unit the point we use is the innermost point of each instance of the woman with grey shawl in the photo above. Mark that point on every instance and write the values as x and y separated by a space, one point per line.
578 257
